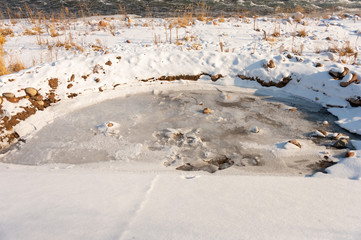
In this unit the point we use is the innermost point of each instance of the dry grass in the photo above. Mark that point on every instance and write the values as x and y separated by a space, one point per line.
302 33
3 69
221 19
6 32
53 32
16 65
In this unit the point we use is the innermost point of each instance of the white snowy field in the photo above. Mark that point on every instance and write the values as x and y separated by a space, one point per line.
98 178
50 203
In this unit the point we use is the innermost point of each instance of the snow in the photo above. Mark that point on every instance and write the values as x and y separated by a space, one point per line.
111 205
90 182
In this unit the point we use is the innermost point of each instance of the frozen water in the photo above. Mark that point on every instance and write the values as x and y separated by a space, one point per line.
169 130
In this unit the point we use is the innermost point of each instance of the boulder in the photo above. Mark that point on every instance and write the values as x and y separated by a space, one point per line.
348 79
31 92
295 142
255 129
8 95
206 111
340 144
349 154
355 102
339 75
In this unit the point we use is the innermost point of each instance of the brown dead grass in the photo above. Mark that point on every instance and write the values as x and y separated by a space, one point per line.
16 65
302 33
6 32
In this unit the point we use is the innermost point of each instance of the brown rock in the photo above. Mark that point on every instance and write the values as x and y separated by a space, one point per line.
323 132
103 23
31 92
41 103
329 39
271 64
319 65
37 97
206 111
355 102
339 75
69 86
13 99
295 142
344 84
340 144
349 154
353 79
292 109
289 56
345 72
53 83
110 125
109 63
335 75
1 100
8 95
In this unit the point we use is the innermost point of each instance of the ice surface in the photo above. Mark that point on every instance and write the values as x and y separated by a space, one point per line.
170 130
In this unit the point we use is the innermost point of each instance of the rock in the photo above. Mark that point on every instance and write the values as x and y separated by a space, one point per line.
319 133
254 130
325 123
8 95
339 75
13 99
103 23
289 56
349 154
1 100
41 103
292 109
108 63
271 64
31 92
348 79
340 144
185 167
329 39
295 142
37 97
216 77
345 72
355 102
206 111
318 65
110 124
338 136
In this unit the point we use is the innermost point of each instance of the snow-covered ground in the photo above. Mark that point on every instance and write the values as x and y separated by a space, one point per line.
93 60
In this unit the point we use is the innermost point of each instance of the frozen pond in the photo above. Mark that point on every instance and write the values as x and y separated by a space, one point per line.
242 133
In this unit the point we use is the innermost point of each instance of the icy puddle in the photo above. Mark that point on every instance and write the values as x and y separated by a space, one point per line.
189 131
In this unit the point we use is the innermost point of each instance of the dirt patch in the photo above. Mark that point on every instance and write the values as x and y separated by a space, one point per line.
279 84
53 83
321 166
184 77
